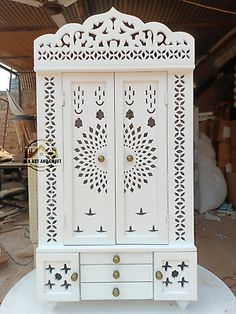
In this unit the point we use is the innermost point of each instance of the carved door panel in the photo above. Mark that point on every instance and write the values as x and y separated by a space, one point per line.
141 157
89 168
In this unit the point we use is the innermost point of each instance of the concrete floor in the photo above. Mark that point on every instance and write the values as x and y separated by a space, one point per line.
216 242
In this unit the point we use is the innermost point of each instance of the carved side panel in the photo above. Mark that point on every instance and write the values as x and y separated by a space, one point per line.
175 276
49 145
58 276
141 157
180 157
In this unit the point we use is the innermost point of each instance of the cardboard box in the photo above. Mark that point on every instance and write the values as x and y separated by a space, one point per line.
233 133
224 131
224 151
231 182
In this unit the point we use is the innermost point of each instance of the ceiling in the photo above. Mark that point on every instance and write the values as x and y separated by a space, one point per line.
20 24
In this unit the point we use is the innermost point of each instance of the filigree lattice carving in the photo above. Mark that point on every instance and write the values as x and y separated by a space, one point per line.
113 38
86 157
51 174
144 158
179 138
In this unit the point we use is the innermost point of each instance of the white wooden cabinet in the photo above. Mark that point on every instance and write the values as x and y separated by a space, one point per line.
116 199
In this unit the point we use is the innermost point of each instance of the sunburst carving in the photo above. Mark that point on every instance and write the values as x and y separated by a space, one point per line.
86 153
144 161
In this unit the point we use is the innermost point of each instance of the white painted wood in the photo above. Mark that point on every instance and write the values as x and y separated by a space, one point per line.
141 126
88 120
114 59
54 277
107 258
179 271
180 157
50 185
182 305
103 291
104 273
214 298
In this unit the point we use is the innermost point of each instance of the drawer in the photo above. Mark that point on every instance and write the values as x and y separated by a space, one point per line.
108 258
118 291
109 273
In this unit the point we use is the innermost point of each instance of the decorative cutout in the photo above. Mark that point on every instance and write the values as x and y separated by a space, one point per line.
141 212
100 94
145 158
58 278
151 99
100 114
78 123
101 230
180 172
78 230
129 114
78 100
86 156
113 38
130 229
171 271
90 213
129 96
153 229
51 173
151 122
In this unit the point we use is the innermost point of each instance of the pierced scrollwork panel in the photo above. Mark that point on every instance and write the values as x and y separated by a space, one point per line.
113 38
180 156
51 171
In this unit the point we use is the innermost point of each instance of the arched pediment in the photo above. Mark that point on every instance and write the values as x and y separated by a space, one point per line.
111 40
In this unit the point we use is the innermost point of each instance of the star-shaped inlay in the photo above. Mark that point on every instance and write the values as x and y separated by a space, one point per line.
182 282
182 265
50 268
50 284
66 285
65 268
166 266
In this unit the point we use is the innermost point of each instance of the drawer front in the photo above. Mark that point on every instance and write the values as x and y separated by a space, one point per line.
109 258
116 273
116 291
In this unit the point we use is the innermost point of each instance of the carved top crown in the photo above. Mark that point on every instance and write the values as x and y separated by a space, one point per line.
113 40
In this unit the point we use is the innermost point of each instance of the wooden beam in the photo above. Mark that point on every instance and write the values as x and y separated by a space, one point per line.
15 57
15 29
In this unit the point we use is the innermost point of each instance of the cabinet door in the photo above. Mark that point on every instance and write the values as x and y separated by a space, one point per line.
141 157
89 202
58 276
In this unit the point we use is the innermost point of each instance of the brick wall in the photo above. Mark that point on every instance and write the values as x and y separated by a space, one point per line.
28 103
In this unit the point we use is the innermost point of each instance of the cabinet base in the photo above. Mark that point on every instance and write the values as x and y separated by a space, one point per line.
211 293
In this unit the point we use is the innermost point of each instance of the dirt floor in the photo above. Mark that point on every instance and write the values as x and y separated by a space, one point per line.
215 239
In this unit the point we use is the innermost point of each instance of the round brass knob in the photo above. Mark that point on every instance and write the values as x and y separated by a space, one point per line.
116 259
115 292
159 275
74 276
116 274
101 158
130 158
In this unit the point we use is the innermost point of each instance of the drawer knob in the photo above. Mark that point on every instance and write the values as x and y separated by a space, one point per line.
130 158
159 275
74 276
116 259
115 292
101 158
116 274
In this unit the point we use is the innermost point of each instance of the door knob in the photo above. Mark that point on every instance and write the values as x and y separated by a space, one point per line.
116 274
130 158
74 276
116 259
101 158
159 275
116 292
